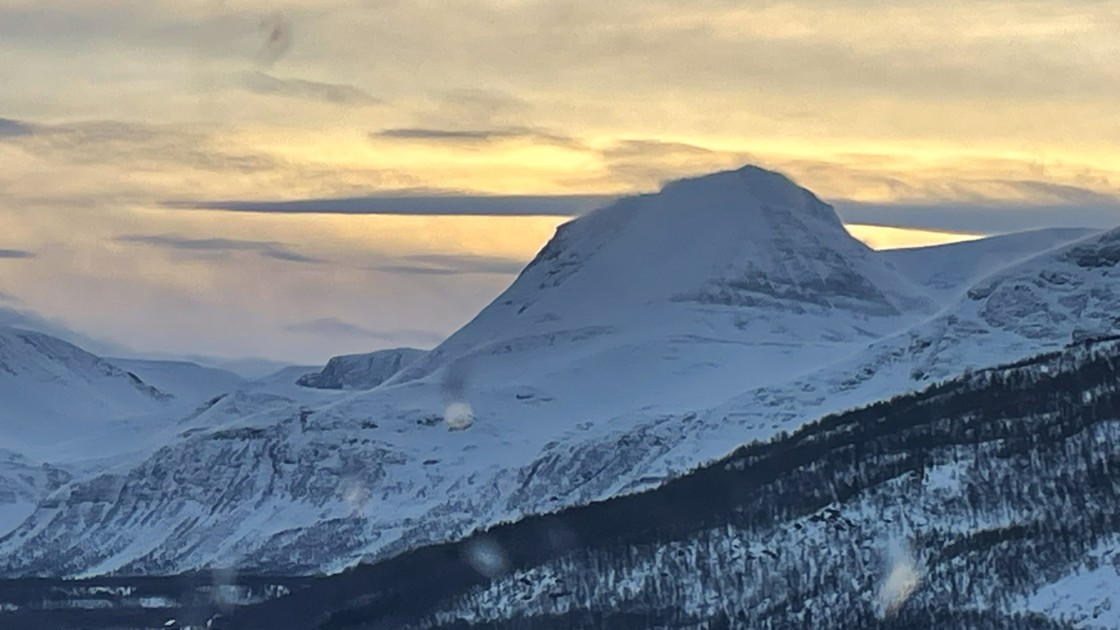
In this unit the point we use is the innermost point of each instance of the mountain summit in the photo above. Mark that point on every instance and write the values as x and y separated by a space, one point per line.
747 237
746 251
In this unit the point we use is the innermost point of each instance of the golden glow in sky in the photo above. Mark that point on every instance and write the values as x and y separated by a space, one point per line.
921 121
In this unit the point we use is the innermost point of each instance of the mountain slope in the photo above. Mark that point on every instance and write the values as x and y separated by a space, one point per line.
182 379
50 389
23 484
984 502
947 270
641 312
678 299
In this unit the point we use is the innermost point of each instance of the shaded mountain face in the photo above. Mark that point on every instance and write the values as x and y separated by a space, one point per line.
60 403
361 371
603 371
23 483
976 503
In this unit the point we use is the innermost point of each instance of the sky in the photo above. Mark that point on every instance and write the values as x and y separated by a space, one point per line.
295 180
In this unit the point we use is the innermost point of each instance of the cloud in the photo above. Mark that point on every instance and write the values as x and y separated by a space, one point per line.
644 162
454 264
450 204
339 94
334 327
1062 193
12 128
475 108
28 320
118 163
477 136
267 249
988 217
940 200
278 253
16 254
415 133
137 146
155 27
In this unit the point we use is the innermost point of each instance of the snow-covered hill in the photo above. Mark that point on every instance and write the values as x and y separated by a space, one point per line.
361 371
645 339
52 391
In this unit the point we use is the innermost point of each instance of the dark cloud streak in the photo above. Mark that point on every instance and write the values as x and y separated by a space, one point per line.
453 265
16 254
457 204
478 136
267 249
982 218
14 128
339 94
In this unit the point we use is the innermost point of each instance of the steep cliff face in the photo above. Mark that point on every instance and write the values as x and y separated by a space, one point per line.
361 371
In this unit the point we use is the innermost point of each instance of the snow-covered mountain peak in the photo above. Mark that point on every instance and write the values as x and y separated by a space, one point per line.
700 268
748 189
742 238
